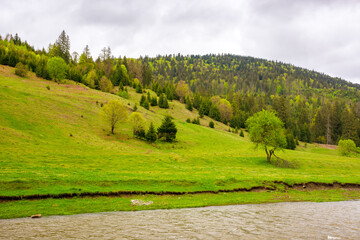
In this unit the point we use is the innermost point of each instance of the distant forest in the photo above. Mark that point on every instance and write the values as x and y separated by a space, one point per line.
313 106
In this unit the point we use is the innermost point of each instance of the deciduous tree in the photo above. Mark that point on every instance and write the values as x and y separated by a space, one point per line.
56 67
266 131
113 113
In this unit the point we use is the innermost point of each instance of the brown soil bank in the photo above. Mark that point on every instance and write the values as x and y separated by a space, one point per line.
268 186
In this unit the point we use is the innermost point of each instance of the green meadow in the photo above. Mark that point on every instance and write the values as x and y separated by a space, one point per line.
53 141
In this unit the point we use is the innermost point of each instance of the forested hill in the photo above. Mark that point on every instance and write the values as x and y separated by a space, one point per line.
314 107
222 74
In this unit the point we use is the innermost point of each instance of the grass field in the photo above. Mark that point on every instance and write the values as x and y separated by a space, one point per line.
52 141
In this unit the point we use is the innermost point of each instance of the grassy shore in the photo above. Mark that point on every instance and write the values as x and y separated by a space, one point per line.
52 142
46 207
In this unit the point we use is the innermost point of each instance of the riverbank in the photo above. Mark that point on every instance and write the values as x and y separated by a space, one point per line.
78 205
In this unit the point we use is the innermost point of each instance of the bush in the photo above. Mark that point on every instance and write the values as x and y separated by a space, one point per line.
138 123
347 147
211 124
196 121
57 67
124 94
21 70
188 120
241 133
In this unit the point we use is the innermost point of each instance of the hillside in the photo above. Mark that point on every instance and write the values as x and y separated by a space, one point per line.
314 107
54 142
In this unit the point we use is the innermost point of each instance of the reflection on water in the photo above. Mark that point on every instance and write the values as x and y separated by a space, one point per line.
335 220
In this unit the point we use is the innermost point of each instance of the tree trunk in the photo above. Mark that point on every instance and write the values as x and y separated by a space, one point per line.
268 154
112 129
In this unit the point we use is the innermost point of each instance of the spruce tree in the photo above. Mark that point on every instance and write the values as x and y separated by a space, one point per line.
153 101
151 134
189 105
167 130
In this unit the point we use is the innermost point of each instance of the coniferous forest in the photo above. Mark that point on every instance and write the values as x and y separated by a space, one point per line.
313 106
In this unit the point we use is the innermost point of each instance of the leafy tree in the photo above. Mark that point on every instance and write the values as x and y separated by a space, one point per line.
182 90
21 70
57 67
105 84
151 133
266 131
346 147
138 124
167 130
90 79
225 109
113 113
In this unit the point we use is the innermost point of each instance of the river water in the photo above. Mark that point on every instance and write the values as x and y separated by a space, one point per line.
305 220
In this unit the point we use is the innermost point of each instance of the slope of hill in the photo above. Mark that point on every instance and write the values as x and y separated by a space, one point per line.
53 142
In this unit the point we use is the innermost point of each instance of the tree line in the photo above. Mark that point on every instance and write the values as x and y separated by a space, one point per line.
314 107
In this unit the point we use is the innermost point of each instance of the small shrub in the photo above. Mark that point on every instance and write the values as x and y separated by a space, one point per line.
21 69
188 120
135 107
196 121
211 124
241 133
48 88
347 147
124 94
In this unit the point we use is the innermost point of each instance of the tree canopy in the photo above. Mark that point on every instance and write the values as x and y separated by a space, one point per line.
113 113
57 67
266 131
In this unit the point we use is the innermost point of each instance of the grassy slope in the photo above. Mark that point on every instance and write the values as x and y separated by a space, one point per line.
39 156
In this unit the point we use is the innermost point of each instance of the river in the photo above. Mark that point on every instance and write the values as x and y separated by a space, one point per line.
303 220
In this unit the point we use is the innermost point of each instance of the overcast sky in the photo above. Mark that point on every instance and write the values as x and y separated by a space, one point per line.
315 34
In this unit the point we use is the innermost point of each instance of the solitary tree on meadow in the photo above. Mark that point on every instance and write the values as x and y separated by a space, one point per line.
267 132
113 113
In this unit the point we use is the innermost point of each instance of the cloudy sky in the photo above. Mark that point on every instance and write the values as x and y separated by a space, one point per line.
315 34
